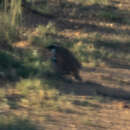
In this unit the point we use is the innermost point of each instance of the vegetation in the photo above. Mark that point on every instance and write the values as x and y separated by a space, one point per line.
32 96
15 123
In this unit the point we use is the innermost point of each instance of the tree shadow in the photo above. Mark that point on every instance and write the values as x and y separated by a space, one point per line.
79 12
85 17
97 12
116 63
117 47
89 88
87 27
113 45
32 19
85 103
122 82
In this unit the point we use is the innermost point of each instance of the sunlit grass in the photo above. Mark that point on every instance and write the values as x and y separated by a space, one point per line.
16 11
8 33
41 37
40 94
87 52
88 2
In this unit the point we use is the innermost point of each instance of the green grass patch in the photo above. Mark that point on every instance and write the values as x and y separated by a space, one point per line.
39 94
87 52
43 35
8 33
13 68
15 123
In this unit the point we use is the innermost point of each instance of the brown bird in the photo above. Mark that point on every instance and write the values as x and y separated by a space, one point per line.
64 62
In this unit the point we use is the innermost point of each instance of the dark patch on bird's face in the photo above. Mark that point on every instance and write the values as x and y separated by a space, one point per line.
52 47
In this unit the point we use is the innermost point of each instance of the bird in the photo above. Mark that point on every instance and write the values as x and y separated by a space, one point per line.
64 62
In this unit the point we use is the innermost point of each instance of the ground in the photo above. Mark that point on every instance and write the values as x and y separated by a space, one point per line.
102 100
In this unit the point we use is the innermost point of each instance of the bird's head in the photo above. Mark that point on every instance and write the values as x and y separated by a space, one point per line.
52 47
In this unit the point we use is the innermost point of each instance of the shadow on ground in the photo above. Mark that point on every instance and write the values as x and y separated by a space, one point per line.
116 63
89 88
70 10
114 45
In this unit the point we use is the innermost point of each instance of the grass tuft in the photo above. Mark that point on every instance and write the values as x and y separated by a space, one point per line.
14 123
